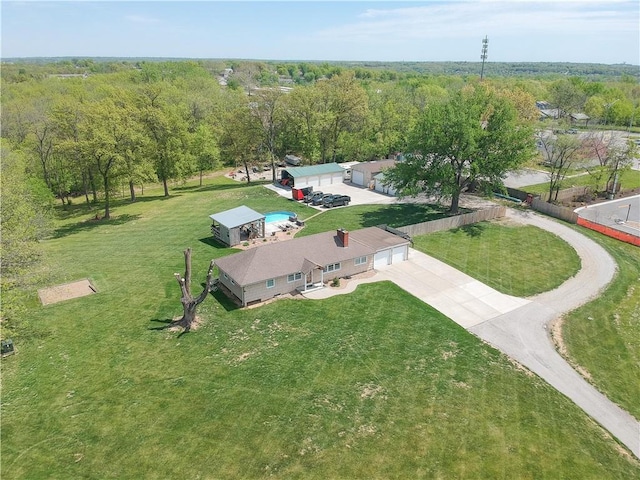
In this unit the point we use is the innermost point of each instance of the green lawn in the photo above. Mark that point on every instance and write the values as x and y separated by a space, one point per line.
603 336
361 216
628 180
372 385
514 259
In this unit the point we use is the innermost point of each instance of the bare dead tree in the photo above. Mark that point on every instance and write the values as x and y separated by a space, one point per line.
189 303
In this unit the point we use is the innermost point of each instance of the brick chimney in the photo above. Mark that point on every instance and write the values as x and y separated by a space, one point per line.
343 236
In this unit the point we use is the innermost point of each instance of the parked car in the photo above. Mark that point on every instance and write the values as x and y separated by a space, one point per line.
311 196
320 200
572 131
336 201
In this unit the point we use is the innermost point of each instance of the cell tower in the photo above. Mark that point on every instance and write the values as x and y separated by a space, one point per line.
485 49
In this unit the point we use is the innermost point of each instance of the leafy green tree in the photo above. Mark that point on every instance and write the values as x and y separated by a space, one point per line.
25 219
473 136
167 129
342 106
560 153
241 135
110 134
205 149
267 108
566 96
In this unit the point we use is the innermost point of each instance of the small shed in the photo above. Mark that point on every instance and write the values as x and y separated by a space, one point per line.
580 118
363 173
239 224
313 175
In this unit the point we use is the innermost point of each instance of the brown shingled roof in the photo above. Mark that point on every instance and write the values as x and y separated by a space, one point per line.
297 255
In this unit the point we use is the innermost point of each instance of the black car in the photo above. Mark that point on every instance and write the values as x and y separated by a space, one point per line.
311 196
319 200
336 201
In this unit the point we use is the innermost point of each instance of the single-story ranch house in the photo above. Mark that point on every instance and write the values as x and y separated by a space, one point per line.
304 263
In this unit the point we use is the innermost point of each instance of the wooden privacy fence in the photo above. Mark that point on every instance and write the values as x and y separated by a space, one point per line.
454 222
563 213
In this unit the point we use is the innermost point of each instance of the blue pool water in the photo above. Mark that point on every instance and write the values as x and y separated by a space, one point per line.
273 217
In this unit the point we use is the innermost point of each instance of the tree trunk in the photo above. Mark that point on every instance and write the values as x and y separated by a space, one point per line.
132 191
85 187
94 189
455 200
166 187
200 177
107 213
189 303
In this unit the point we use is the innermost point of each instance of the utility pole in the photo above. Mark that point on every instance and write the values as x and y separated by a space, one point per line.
485 48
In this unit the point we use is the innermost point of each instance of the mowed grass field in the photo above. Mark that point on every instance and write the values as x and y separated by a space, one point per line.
514 259
603 337
375 384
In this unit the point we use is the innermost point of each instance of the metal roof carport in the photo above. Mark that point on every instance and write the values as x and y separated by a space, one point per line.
315 175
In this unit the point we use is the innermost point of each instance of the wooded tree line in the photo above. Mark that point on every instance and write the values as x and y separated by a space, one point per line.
164 121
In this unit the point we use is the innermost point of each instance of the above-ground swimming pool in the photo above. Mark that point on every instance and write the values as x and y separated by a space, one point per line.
273 217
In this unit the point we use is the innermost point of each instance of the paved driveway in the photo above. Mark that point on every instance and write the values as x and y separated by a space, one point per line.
359 195
460 297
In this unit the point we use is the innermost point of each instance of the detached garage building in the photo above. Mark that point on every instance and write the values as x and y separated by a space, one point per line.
313 175
380 186
363 173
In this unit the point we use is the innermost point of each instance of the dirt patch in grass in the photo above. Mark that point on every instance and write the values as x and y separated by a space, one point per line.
66 291
197 322
556 335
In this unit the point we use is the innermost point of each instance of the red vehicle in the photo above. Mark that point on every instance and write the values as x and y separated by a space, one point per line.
299 193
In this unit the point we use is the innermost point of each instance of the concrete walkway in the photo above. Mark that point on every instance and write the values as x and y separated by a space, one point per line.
519 327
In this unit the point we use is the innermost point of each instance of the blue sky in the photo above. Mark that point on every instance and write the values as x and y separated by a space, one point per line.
600 31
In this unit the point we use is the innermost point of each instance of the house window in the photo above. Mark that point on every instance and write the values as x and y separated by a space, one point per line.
331 268
294 276
360 260
271 283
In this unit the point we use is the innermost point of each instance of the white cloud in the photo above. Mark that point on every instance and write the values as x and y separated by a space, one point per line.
492 17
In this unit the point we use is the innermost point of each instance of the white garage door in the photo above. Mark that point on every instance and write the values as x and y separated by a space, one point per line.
313 181
399 254
337 177
381 259
379 187
357 177
326 180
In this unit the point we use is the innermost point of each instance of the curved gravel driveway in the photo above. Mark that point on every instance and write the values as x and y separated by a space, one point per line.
524 333
519 327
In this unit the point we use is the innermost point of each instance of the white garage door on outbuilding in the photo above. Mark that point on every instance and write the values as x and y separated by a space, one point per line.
315 175
357 177
381 187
